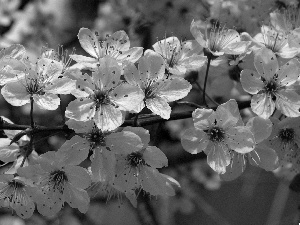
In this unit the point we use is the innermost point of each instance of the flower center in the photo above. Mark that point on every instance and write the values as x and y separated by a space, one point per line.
58 178
34 86
286 135
216 134
101 98
96 138
16 184
135 159
271 87
150 91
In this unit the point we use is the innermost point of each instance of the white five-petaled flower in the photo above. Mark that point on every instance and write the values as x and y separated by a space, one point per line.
116 46
217 133
285 140
220 40
16 194
288 21
158 90
275 40
138 168
272 86
42 81
179 57
58 180
102 97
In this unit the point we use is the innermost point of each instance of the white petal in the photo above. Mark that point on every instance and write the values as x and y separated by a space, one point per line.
77 198
154 157
124 142
261 128
81 109
103 165
15 94
131 55
127 97
89 42
78 176
240 139
151 66
288 102
266 63
264 157
251 81
75 150
159 106
173 89
107 74
262 105
195 30
108 117
289 72
235 168
194 141
228 114
203 118
47 101
218 157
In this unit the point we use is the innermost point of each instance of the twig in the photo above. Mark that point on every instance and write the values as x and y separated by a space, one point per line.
206 76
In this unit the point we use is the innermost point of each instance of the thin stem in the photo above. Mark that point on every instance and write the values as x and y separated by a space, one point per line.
206 76
191 104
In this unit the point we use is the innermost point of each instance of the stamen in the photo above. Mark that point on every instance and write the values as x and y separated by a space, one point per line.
216 134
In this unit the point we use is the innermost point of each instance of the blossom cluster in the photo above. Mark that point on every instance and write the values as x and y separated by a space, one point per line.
117 82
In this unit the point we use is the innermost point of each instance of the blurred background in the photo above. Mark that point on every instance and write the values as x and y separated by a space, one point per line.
257 197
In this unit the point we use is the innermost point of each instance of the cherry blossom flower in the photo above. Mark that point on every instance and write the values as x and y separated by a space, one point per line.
16 194
42 81
59 180
103 98
158 90
138 169
262 156
288 21
285 140
116 46
219 41
10 63
277 41
217 133
179 57
271 86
